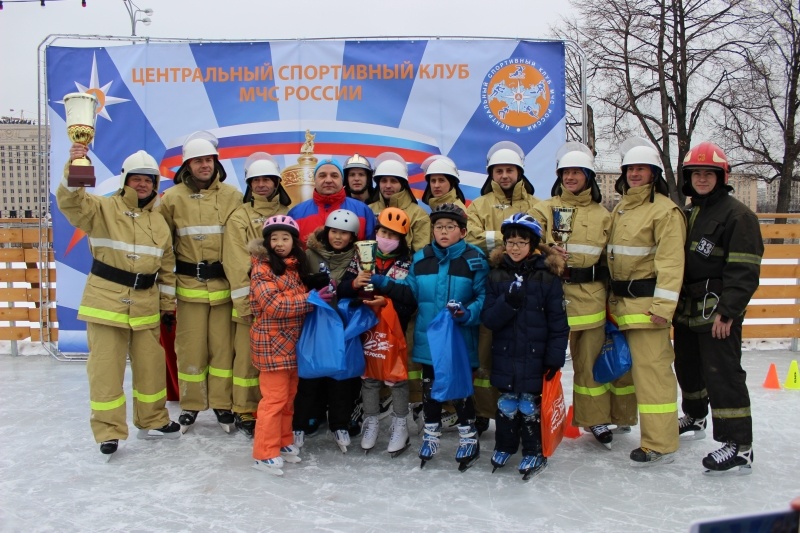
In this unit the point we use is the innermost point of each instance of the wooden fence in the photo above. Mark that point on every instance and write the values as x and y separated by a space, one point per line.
28 292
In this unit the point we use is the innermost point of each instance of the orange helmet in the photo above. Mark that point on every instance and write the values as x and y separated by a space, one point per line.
705 155
395 219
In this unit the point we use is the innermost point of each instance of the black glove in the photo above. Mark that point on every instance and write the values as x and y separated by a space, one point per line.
515 297
168 319
316 281
550 372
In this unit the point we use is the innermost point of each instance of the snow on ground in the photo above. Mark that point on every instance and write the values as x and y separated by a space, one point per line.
53 478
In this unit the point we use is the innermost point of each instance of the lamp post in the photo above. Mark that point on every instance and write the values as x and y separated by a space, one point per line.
136 15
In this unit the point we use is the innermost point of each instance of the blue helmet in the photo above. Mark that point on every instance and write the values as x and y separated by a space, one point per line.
524 221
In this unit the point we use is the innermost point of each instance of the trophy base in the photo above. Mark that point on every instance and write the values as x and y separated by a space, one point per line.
367 293
80 176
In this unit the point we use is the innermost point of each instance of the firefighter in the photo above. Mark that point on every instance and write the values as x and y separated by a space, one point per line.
130 286
646 274
264 197
597 405
358 179
723 263
441 176
196 210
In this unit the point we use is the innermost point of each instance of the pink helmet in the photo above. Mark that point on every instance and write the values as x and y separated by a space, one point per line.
281 222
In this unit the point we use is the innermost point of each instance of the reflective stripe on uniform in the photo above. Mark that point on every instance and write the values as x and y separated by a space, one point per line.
591 391
126 247
150 398
700 395
240 293
200 293
145 320
491 240
200 230
637 318
220 372
638 251
242 382
169 290
583 249
107 406
120 318
735 257
657 408
736 412
415 374
582 320
665 294
194 378
621 391
482 382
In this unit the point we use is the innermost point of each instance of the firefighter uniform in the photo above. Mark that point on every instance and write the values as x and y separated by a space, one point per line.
204 335
130 283
723 257
244 225
585 292
646 275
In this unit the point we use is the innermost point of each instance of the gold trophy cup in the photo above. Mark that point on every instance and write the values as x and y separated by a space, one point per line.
81 111
562 224
366 257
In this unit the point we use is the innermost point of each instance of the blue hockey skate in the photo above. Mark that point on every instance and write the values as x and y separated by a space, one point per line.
499 459
532 465
430 443
469 448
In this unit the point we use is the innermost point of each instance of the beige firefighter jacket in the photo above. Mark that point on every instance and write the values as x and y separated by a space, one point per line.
591 227
129 238
197 220
419 234
646 242
243 226
487 213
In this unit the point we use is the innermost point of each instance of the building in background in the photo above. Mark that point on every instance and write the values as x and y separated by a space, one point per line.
768 197
23 169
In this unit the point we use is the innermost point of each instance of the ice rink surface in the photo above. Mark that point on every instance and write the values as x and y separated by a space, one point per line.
53 477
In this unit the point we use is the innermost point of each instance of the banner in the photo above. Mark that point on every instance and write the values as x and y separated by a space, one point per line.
302 101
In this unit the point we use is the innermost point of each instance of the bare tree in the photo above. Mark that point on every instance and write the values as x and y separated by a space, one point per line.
760 107
655 65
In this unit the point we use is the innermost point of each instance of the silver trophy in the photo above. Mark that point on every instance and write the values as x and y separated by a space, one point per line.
562 224
366 251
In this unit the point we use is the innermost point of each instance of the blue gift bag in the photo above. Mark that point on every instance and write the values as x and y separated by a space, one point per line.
357 319
453 374
615 357
320 349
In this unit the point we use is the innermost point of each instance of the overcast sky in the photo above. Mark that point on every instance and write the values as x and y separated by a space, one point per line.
23 26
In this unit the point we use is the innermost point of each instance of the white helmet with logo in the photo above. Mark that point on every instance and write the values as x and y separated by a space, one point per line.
390 164
140 163
200 144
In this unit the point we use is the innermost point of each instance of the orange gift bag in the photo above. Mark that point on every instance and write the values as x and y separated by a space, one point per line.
554 415
385 347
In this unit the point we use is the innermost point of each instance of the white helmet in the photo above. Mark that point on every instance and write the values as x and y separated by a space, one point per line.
139 163
439 164
637 151
390 164
505 153
575 155
200 144
261 164
344 220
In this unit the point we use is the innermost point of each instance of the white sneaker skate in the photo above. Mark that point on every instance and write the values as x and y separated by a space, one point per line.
270 466
369 433
342 438
398 441
290 454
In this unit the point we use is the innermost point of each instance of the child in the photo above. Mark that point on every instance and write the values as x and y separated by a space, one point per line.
329 250
279 303
393 261
525 312
447 270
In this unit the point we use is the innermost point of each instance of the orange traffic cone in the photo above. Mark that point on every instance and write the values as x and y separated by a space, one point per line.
571 432
792 378
772 378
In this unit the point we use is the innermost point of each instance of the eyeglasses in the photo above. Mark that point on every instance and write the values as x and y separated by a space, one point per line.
448 228
517 245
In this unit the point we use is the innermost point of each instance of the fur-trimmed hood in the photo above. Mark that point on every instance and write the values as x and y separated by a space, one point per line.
313 241
553 260
257 249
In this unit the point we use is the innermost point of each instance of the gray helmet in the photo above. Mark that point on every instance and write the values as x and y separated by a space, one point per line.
344 220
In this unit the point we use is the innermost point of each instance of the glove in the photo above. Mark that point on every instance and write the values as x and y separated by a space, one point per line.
378 280
515 297
326 294
462 317
168 319
550 372
315 281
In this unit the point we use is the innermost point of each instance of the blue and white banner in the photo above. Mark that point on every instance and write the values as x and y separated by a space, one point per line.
337 98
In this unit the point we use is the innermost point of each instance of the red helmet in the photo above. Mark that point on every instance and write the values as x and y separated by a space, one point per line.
707 155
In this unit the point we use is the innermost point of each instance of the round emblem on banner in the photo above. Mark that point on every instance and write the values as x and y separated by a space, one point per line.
516 95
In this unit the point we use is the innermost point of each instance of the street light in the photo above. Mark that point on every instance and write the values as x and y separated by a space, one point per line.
136 15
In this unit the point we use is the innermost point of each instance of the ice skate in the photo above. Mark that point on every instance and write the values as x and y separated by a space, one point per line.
386 407
621 430
469 448
369 434
647 457
170 431
602 434
108 447
290 454
342 439
499 459
186 419
246 423
481 424
691 428
532 466
430 443
449 420
398 439
354 427
299 438
270 466
731 459
225 419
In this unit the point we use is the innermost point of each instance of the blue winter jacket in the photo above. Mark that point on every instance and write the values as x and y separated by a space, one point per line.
525 340
437 276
